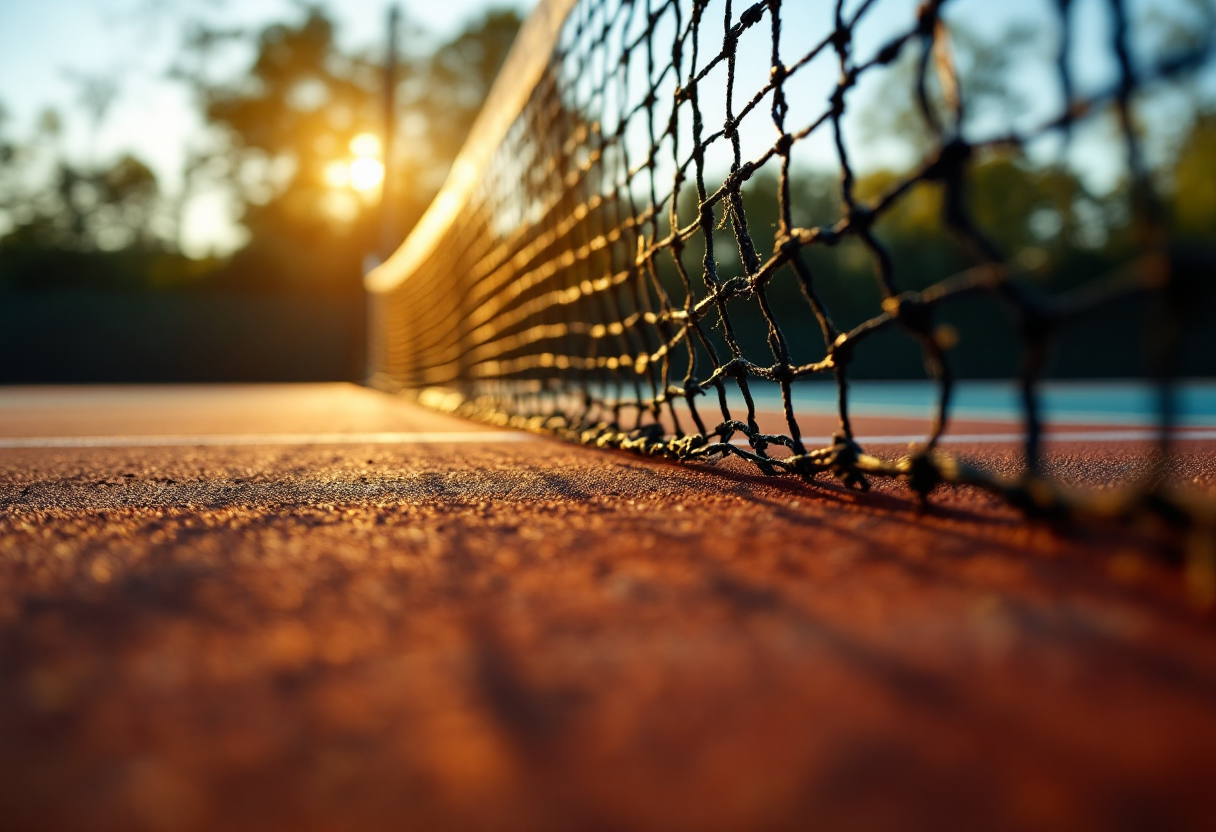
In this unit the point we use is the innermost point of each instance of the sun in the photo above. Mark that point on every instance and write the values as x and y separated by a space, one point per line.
366 169
365 146
364 172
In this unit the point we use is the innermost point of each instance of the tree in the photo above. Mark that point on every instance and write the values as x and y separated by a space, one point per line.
444 93
284 124
1194 180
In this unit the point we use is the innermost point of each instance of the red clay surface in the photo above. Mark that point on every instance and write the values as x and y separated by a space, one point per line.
536 636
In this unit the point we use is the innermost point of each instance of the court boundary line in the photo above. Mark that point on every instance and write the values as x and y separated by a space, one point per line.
237 439
468 437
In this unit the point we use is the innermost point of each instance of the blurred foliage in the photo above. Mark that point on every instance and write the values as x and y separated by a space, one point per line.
1194 180
298 110
294 112
1055 229
1057 233
275 130
450 88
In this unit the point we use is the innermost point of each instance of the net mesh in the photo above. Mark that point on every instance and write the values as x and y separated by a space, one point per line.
631 268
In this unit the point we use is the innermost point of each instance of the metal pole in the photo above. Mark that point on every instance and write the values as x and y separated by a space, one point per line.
388 195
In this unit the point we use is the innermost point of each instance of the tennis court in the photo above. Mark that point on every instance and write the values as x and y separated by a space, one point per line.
323 607
621 533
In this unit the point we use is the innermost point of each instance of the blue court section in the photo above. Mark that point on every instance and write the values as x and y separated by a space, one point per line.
1127 403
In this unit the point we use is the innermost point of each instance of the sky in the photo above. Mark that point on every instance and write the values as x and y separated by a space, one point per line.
48 46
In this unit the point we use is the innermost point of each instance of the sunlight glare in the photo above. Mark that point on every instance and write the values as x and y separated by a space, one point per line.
337 174
366 174
365 146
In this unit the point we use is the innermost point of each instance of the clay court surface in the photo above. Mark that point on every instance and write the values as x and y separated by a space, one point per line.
323 608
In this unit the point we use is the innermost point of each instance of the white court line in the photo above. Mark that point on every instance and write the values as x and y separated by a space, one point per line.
1134 435
229 439
489 437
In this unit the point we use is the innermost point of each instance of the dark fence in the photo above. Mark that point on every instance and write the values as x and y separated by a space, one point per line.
78 336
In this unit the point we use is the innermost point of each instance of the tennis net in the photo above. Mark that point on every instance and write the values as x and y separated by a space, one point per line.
658 223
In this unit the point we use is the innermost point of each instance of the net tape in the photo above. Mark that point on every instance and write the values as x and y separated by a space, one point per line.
570 288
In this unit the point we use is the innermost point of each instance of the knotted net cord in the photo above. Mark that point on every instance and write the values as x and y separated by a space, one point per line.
583 288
